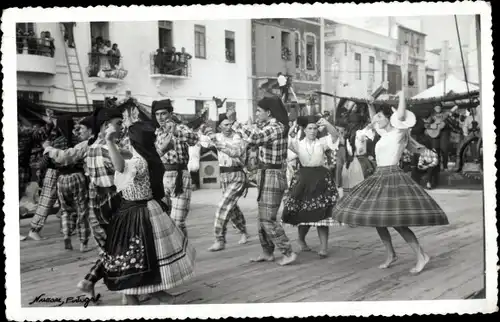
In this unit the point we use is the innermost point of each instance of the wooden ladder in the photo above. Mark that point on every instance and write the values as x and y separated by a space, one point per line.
75 74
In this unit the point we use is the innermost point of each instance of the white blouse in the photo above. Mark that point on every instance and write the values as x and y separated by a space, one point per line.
390 147
312 153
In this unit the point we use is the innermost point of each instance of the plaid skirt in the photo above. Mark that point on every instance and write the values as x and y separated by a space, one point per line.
174 254
389 198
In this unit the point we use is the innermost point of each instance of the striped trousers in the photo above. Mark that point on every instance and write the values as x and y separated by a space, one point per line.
179 204
271 233
99 219
232 185
48 198
72 191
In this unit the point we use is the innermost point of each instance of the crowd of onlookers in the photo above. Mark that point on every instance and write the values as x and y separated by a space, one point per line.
169 61
105 59
27 42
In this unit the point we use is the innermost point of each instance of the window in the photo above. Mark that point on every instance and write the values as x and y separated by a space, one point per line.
357 65
200 50
430 81
99 30
286 53
297 50
230 48
25 27
198 106
417 46
165 34
371 64
384 67
310 57
33 97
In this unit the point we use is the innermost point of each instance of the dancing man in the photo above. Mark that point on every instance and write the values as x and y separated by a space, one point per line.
272 139
103 197
172 143
72 185
48 196
231 154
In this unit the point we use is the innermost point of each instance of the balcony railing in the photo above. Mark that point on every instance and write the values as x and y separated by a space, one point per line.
27 45
35 55
170 65
106 66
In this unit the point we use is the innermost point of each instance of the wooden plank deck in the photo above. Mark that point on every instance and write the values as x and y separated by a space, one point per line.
350 273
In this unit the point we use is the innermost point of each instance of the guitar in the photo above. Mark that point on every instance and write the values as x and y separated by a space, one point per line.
434 129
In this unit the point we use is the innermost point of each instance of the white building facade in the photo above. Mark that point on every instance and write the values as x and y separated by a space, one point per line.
356 60
219 52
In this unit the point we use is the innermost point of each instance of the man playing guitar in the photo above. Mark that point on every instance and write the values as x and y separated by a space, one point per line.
439 132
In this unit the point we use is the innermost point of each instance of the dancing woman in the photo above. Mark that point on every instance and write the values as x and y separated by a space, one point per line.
313 192
145 252
390 198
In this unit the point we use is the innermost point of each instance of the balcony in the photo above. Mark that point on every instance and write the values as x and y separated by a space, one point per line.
169 65
35 55
106 69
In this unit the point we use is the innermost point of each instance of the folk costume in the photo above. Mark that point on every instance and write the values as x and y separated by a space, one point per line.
177 178
27 138
231 155
272 139
390 197
313 192
72 188
104 199
358 165
145 251
48 196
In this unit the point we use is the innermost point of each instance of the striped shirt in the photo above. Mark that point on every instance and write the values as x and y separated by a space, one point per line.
233 150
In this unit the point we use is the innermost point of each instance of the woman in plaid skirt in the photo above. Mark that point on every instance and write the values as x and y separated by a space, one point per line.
145 252
313 192
390 197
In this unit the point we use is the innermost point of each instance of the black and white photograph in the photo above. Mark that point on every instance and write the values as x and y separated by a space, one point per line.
324 159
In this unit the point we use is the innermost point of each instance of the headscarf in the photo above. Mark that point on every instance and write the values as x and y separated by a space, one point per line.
275 105
158 106
305 120
142 138
65 124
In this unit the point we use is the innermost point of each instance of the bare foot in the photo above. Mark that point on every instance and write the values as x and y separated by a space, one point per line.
303 246
132 300
263 258
422 261
217 246
164 297
243 239
35 236
323 254
86 287
287 260
389 261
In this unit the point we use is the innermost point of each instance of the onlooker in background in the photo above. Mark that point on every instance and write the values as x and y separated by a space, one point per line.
425 164
68 35
283 84
439 131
